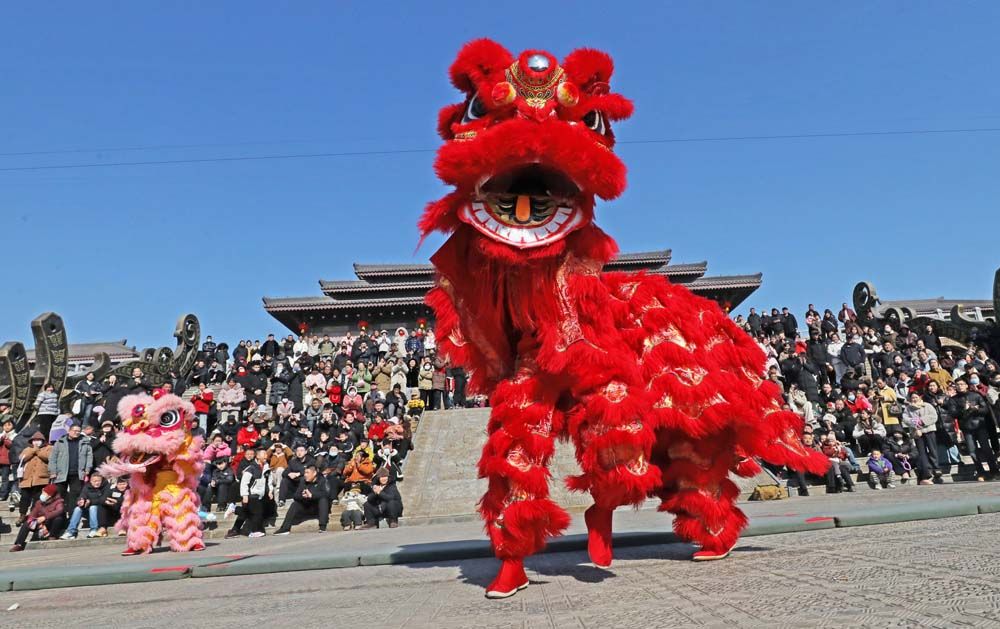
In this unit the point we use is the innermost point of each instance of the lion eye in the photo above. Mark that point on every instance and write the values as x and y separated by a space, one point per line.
474 110
595 122
169 419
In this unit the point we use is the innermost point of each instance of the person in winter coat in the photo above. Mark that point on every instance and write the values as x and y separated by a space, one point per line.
70 463
280 382
7 436
102 444
216 449
310 500
255 494
384 502
89 390
425 383
46 408
203 401
45 520
220 487
353 401
921 419
382 374
398 377
839 475
974 415
353 502
415 345
34 462
232 399
360 469
880 474
439 384
294 473
900 452
869 433
89 502
111 505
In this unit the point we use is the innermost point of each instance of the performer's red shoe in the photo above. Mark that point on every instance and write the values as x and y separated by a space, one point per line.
510 579
197 547
599 535
708 553
128 552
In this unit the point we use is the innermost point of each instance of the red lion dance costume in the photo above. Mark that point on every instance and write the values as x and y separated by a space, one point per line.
164 462
659 391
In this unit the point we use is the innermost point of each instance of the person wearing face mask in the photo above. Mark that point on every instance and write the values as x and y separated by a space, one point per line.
900 452
44 521
34 464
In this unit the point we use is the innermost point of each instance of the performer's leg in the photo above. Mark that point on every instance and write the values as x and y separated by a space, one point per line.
518 512
143 527
697 490
613 448
181 521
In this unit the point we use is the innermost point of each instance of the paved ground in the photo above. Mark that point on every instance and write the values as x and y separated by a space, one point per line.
55 553
625 520
937 573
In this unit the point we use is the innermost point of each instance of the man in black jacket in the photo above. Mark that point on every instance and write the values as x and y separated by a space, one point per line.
383 502
753 321
973 418
789 323
312 500
294 473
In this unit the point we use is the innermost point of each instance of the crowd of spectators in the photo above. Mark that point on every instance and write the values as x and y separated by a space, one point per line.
899 396
307 423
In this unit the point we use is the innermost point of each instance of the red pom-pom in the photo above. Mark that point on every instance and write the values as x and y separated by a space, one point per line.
503 93
567 94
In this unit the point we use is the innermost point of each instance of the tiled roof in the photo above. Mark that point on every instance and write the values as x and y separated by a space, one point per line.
322 302
688 268
344 286
83 351
718 282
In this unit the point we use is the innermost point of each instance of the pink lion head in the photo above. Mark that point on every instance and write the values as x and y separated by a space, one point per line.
155 432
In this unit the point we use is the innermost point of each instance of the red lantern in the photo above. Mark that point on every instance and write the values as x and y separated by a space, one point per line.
303 328
363 325
422 323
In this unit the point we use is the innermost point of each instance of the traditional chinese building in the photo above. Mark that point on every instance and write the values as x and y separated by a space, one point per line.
392 295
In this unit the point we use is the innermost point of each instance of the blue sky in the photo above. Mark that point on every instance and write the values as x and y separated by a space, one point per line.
122 251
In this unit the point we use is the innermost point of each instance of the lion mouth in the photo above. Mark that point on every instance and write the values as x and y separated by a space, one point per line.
527 206
143 459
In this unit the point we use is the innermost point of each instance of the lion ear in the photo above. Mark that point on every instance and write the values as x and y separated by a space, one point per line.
479 65
590 69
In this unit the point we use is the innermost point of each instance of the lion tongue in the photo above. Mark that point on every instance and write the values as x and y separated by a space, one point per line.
523 208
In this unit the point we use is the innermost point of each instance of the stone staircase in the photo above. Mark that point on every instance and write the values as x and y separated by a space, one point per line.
441 471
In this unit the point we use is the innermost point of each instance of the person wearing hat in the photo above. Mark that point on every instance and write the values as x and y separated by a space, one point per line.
34 462
44 521
7 436
384 502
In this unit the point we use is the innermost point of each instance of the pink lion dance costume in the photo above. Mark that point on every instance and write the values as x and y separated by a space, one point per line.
163 461
660 393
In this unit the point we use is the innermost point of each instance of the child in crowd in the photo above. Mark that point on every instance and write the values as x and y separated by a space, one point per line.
880 471
354 504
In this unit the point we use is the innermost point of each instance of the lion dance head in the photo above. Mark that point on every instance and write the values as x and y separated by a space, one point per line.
155 435
528 150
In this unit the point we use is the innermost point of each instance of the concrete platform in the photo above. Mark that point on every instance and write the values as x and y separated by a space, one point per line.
47 568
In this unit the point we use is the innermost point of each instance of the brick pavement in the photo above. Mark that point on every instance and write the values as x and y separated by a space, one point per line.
936 573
